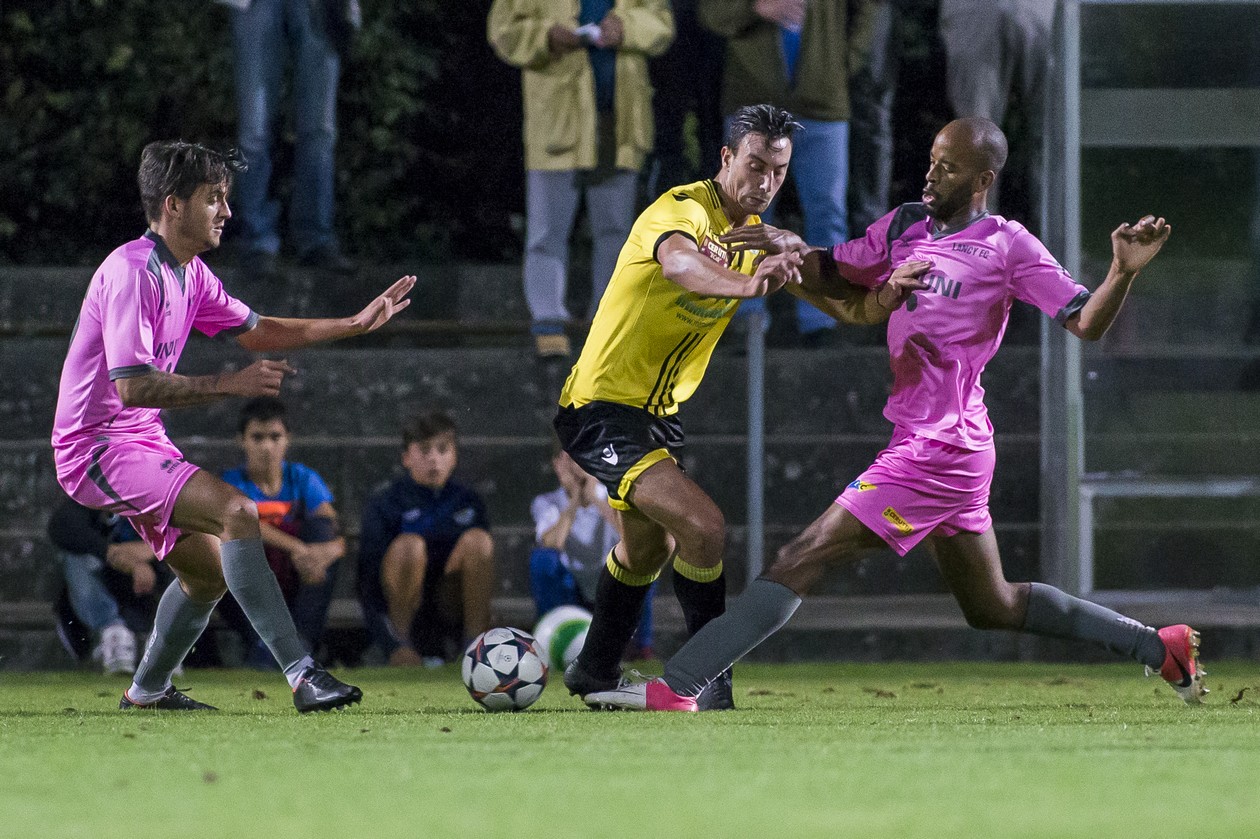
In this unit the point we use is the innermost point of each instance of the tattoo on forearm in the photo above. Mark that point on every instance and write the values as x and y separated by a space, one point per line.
160 389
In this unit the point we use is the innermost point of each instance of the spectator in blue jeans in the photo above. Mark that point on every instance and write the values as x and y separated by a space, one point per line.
267 36
798 55
110 576
574 530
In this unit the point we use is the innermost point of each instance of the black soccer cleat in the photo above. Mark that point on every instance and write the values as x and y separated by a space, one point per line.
319 690
719 695
172 700
580 683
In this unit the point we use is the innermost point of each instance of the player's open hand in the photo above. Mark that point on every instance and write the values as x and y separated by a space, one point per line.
765 238
262 378
1134 245
904 281
377 313
776 271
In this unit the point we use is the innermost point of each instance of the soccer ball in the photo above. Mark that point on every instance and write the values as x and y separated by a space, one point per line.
561 634
503 670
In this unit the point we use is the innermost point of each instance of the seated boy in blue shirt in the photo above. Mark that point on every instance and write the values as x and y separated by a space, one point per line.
300 532
426 557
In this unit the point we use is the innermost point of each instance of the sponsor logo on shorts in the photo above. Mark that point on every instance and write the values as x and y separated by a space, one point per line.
861 486
897 521
609 456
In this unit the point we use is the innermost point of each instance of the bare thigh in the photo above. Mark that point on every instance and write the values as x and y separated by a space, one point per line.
972 567
835 537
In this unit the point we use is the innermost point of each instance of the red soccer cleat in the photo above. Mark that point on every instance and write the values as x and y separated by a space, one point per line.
1181 663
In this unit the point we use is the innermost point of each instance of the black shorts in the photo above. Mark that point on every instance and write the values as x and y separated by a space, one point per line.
616 443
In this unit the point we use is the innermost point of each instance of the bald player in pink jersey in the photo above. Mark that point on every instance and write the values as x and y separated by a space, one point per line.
111 449
932 481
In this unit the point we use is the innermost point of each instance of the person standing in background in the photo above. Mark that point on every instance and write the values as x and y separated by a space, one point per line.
312 36
588 128
798 55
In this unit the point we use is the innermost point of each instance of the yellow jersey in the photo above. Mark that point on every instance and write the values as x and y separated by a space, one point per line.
652 339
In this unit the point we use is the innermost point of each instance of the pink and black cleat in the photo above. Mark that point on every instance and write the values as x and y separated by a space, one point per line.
1181 663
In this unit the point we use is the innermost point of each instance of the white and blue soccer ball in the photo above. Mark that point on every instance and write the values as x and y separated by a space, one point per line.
503 670
561 634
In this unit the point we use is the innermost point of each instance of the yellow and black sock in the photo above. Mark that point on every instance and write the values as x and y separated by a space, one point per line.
619 597
701 592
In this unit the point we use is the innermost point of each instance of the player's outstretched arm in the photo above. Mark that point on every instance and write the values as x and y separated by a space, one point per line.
844 301
159 389
278 334
682 263
1133 246
765 238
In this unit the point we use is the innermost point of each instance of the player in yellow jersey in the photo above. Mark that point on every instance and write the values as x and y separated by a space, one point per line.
674 290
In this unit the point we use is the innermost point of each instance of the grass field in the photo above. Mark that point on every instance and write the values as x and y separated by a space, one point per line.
939 750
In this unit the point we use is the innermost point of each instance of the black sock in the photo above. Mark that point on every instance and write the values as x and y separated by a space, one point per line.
700 591
618 605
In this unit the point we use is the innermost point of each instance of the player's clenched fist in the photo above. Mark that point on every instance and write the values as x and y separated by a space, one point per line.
778 270
262 378
904 281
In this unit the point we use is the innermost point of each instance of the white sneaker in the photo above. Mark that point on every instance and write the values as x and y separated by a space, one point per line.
118 650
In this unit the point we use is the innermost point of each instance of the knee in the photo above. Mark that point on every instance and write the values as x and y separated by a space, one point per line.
240 515
478 545
204 586
408 548
802 552
1003 610
707 535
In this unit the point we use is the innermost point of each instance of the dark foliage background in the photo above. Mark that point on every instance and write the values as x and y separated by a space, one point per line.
429 155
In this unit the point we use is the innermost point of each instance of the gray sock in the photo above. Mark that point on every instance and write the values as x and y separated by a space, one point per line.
1060 615
753 617
252 583
177 625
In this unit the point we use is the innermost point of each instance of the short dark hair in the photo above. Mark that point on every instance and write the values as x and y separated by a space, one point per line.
426 426
766 120
262 409
173 167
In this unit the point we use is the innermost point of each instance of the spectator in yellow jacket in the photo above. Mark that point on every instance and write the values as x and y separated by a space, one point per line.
588 127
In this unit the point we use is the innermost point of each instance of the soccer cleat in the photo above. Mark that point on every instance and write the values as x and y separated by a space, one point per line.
580 683
642 696
1181 663
718 695
319 690
172 700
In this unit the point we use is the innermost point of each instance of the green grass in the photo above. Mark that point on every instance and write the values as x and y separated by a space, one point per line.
932 750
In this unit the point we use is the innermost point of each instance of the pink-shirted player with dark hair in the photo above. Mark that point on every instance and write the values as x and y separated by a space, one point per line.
110 446
932 481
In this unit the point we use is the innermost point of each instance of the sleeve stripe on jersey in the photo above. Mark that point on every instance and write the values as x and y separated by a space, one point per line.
660 239
669 370
1072 307
131 371
250 323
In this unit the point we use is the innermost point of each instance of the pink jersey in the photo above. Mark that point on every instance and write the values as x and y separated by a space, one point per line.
135 318
941 340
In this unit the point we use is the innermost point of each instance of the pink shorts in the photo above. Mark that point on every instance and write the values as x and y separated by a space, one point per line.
919 486
136 478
